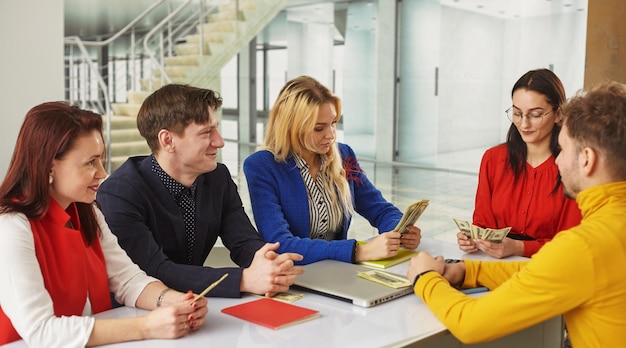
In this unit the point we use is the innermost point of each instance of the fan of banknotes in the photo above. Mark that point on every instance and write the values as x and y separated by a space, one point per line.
388 279
476 232
411 214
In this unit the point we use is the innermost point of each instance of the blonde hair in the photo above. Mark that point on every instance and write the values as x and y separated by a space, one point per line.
291 123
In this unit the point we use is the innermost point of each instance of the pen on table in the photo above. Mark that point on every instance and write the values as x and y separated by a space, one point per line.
208 288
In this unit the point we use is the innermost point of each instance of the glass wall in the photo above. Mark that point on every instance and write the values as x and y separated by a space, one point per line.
457 66
455 63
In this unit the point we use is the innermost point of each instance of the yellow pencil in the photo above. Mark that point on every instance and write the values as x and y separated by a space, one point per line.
208 288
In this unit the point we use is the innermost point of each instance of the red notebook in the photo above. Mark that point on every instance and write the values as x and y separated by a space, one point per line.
271 313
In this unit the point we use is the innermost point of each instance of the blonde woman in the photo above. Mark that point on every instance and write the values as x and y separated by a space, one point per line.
304 187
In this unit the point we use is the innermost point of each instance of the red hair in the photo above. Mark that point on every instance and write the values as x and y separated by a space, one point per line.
48 132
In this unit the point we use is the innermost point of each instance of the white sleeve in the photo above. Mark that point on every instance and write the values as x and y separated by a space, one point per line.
126 279
23 296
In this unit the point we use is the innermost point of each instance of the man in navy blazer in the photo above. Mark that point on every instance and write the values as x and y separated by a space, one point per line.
167 209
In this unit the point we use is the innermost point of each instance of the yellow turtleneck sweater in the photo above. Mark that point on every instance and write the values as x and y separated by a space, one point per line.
578 275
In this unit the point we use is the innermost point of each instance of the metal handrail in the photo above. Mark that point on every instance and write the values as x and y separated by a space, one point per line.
82 45
86 57
184 27
157 27
92 66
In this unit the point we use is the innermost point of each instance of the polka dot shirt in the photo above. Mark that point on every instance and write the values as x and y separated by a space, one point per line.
185 198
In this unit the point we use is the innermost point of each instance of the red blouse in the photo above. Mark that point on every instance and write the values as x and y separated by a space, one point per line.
527 206
70 269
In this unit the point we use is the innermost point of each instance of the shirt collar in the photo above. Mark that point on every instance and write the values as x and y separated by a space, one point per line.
593 198
301 163
175 188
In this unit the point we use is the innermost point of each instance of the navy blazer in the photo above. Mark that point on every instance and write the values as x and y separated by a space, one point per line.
149 225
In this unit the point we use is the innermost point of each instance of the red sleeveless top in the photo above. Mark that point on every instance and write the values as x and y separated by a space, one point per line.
69 267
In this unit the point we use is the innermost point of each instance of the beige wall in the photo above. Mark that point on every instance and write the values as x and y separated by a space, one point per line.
606 42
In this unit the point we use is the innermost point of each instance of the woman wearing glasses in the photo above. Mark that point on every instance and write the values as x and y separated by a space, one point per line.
519 184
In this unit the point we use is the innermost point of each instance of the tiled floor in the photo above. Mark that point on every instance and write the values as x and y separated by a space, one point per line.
450 188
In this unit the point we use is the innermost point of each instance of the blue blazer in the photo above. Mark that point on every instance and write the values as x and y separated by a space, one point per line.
281 207
149 225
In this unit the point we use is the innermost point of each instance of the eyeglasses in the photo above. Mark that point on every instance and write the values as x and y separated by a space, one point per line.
533 117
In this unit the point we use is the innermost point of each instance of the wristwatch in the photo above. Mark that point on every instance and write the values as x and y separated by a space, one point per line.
419 275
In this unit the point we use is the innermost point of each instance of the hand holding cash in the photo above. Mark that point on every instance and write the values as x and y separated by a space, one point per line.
476 232
411 214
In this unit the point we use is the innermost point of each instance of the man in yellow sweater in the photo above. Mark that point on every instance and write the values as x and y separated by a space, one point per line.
579 274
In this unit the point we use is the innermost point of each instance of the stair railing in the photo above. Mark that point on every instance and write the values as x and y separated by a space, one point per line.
183 25
158 63
76 41
85 57
163 32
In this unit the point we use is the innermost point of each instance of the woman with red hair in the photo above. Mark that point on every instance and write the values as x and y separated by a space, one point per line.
58 259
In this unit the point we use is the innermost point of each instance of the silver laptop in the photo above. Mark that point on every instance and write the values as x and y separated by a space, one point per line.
340 280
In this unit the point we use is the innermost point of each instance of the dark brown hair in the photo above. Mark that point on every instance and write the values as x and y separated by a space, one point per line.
48 132
173 107
546 83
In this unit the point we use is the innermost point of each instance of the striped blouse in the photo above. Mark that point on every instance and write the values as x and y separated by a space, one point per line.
319 204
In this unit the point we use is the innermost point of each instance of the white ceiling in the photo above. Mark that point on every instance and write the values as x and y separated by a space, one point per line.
90 18
518 8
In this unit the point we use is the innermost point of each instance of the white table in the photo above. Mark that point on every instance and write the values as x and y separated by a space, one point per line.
405 321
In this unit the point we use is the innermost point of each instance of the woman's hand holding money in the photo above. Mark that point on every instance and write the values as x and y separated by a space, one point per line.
411 238
384 246
465 243
508 247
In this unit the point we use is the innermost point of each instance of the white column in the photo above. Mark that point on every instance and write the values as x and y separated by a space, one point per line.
31 37
418 106
359 95
385 97
247 93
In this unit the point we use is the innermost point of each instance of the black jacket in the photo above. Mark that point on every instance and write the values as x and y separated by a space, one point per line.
150 227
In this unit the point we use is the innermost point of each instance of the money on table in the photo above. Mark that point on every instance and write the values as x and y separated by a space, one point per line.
388 279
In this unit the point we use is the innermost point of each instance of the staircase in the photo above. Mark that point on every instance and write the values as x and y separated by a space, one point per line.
226 32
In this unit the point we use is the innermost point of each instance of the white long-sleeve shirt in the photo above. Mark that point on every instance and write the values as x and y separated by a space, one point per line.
25 300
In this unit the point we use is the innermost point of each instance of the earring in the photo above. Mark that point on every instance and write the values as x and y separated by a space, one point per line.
50 179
